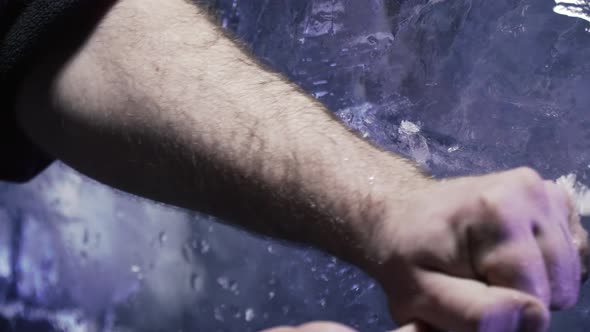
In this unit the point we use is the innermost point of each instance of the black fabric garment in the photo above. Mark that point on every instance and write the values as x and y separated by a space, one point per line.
28 30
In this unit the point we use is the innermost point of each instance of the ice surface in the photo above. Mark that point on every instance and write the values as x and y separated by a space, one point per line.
461 86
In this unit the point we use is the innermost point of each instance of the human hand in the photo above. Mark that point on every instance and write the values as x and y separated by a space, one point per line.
490 253
334 327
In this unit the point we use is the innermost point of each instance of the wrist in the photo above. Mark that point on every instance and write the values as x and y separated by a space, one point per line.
380 188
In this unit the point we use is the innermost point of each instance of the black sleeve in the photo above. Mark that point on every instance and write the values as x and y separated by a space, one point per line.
29 29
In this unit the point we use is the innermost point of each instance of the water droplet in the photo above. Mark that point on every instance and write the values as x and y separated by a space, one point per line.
195 281
271 295
86 236
218 314
269 249
453 148
187 253
285 309
205 246
233 286
344 271
373 319
162 237
135 268
249 315
227 284
236 312
222 281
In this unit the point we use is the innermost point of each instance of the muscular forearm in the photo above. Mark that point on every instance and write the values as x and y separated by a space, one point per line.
159 103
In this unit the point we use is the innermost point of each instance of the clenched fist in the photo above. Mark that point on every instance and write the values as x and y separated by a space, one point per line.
334 327
492 254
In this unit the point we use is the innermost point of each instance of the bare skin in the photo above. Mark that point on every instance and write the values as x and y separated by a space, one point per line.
159 103
333 327
313 327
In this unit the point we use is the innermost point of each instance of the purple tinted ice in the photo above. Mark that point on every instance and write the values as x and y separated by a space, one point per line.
462 87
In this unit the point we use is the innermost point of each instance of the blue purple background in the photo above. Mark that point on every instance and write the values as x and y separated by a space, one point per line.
490 84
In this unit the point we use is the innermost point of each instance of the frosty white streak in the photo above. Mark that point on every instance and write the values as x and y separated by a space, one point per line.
573 8
579 192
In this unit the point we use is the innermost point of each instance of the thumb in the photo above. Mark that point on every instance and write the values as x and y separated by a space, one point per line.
464 305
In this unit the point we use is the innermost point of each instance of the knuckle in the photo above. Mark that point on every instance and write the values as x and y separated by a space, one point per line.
496 206
492 225
530 181
528 175
489 207
496 265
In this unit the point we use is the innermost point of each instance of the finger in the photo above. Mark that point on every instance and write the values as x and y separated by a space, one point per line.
464 305
415 327
579 237
509 258
563 270
579 234
580 241
323 327
313 327
557 246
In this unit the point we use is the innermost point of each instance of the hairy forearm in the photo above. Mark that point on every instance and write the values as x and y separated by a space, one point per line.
159 103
